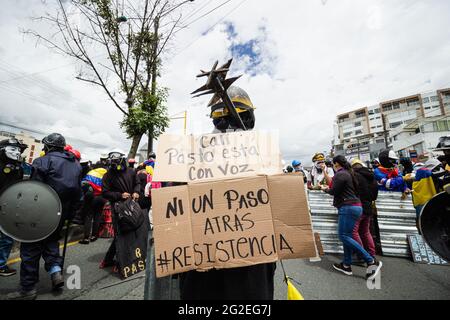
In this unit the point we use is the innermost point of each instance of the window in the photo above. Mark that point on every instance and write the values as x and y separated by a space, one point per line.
357 124
371 112
412 103
434 107
358 132
360 114
427 108
395 124
347 134
440 125
379 141
426 100
377 110
387 108
395 106
434 99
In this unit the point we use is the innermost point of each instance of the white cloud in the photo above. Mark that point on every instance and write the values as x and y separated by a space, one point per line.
324 58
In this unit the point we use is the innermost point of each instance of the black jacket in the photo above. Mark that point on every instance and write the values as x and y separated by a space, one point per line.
62 172
367 188
117 182
343 189
15 174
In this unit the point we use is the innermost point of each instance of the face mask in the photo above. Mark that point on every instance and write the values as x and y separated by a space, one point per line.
13 153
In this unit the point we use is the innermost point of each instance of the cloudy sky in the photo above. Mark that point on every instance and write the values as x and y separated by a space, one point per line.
303 62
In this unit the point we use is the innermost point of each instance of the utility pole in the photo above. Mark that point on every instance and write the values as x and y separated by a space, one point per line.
386 132
153 87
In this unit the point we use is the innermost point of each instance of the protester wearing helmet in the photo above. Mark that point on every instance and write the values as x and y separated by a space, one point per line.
224 121
388 175
75 152
93 204
444 146
254 282
62 172
11 171
321 174
119 183
297 166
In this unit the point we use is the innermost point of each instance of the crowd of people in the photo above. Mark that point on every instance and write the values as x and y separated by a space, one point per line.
354 186
91 193
86 191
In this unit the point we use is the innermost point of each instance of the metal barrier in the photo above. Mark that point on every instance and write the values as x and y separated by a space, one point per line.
396 219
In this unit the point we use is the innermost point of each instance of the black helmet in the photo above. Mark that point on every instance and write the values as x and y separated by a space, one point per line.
388 158
11 150
152 155
223 120
55 140
13 142
444 144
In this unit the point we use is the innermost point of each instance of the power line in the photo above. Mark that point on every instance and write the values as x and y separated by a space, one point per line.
207 13
194 12
212 27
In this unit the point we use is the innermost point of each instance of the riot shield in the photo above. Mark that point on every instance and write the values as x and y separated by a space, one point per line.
435 224
30 211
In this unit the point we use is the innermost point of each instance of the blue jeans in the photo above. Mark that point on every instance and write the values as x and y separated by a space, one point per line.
348 216
5 249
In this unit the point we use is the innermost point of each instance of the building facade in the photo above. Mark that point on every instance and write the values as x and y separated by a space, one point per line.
364 132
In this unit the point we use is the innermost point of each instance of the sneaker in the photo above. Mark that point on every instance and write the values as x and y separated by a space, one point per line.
84 241
6 271
340 267
22 295
373 269
57 280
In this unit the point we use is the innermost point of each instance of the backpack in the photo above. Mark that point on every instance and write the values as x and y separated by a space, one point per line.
130 215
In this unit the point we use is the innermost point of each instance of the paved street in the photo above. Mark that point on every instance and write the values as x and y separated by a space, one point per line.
401 279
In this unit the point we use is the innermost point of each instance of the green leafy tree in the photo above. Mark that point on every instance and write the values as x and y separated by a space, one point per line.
118 45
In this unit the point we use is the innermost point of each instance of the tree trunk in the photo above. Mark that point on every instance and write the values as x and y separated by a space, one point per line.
134 146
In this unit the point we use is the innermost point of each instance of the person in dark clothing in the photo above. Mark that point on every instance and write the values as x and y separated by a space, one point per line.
344 190
142 175
93 204
11 171
62 172
254 282
367 189
119 183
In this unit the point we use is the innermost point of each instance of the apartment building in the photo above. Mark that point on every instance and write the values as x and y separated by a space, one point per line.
366 131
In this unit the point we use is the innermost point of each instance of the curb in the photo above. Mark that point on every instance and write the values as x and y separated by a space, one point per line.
76 233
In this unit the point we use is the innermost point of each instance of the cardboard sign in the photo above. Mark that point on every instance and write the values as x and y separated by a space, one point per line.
422 253
209 157
231 223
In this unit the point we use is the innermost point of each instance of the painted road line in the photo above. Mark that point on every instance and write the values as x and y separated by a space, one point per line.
12 261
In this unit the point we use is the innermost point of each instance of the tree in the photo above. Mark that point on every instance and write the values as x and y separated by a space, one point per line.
125 39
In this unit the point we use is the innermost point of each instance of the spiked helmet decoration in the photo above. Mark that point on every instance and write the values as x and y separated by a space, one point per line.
218 84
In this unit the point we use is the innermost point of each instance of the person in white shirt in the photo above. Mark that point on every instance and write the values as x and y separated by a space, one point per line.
320 174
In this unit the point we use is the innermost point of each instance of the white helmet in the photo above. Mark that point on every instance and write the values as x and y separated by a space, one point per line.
392 155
